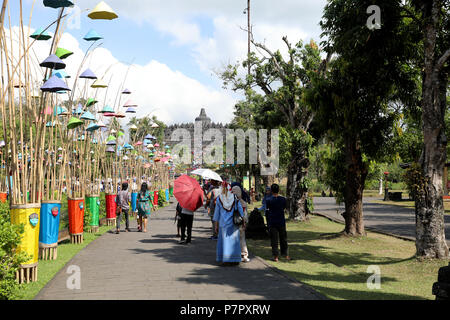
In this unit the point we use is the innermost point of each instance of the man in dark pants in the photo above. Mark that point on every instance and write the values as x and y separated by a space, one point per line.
187 219
276 221
123 200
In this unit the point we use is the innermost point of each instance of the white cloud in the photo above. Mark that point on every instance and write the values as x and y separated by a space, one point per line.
170 95
298 19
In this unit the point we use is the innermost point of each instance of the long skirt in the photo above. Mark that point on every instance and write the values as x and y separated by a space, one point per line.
228 244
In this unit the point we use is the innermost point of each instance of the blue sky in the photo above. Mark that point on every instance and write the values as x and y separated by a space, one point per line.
181 42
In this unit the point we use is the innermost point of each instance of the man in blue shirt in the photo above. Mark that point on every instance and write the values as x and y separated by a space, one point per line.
276 222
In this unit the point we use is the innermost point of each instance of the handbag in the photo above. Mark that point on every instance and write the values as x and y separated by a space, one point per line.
238 220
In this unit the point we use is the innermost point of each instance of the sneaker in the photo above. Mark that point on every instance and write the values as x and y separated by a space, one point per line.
182 242
117 231
245 260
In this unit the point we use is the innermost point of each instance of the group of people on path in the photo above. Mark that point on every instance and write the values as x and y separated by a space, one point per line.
224 202
144 207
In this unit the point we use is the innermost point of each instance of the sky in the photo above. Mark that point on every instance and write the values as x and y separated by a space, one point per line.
167 52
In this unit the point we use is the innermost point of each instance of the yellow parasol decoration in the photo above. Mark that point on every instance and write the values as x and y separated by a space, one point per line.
102 12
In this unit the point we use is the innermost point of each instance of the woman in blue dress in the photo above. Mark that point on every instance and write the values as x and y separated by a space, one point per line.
228 243
144 206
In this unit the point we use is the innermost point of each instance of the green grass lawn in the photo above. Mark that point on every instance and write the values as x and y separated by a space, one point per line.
48 269
336 265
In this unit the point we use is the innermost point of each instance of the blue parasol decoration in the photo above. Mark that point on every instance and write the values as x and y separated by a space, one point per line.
88 116
78 111
88 74
92 127
55 84
53 62
40 35
92 35
62 74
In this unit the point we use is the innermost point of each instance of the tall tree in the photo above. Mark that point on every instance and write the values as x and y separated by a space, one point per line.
283 81
356 99
434 20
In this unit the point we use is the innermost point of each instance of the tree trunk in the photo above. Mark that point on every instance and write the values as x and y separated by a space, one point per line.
256 172
429 207
297 171
354 188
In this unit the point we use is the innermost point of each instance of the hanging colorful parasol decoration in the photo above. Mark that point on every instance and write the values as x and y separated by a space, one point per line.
74 123
92 35
62 74
102 11
41 35
99 84
63 53
55 4
54 84
53 62
91 102
88 74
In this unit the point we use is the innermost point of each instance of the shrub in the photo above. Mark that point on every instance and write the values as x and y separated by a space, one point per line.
10 237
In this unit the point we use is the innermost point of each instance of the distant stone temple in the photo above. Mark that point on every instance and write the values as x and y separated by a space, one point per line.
206 123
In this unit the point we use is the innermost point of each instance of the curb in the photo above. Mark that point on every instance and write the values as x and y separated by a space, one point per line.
406 238
292 279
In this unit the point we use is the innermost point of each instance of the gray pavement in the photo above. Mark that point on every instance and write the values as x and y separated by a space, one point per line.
153 266
387 218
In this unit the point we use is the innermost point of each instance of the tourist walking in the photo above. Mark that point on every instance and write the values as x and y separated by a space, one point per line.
145 205
276 205
237 191
123 199
228 244
211 199
186 222
178 219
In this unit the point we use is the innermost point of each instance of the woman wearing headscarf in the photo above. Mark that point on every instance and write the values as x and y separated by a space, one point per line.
145 204
228 244
237 191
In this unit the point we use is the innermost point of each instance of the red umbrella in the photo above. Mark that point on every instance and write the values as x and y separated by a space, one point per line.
188 193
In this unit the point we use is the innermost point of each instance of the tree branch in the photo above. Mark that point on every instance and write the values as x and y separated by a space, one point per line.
442 60
289 48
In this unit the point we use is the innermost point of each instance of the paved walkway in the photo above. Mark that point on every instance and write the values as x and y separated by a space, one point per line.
388 218
153 266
